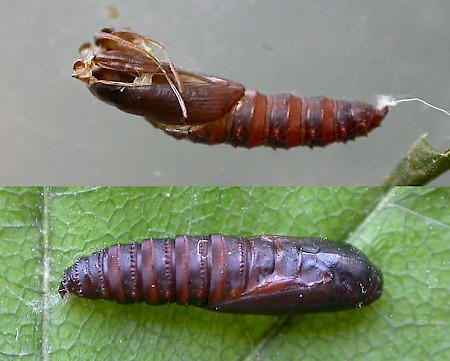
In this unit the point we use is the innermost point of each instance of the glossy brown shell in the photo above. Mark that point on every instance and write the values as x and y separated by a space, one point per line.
260 274
205 102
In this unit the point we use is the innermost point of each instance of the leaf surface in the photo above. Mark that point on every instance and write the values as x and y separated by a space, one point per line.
405 231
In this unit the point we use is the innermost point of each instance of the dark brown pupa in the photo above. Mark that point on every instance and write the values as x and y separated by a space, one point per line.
259 274
122 71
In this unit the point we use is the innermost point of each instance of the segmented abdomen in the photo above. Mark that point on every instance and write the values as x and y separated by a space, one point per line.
285 121
260 274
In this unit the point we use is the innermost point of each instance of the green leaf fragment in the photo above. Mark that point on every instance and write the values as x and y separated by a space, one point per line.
422 165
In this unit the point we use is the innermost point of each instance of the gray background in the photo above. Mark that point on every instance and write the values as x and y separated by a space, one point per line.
52 130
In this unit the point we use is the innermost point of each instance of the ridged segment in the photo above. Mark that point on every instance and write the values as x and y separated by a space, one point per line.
286 121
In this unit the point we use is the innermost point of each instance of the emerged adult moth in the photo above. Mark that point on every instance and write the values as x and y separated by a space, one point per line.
122 70
260 274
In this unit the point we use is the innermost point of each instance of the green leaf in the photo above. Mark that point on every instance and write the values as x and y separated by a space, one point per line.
402 230
420 166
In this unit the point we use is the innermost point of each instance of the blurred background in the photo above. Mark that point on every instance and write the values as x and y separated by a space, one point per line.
53 131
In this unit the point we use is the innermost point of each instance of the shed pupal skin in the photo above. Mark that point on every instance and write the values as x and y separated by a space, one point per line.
122 70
